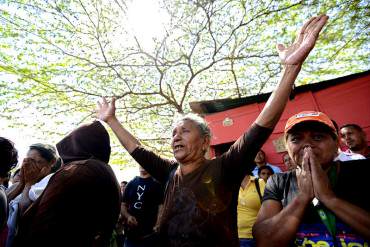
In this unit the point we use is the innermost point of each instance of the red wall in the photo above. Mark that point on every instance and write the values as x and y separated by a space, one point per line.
348 102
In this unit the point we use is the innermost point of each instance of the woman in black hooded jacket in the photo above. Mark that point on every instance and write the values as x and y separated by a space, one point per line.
81 203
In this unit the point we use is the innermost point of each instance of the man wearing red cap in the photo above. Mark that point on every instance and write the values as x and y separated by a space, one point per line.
322 202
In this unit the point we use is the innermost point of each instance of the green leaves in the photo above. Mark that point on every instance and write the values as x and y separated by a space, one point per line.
57 58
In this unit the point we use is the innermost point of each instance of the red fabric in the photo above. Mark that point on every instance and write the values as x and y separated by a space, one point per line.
348 102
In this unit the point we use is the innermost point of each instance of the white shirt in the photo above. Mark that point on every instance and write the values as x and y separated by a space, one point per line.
346 156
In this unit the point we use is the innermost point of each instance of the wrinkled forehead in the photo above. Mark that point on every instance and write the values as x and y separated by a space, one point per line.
186 123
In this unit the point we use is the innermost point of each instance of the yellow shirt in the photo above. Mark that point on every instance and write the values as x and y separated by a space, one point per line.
248 206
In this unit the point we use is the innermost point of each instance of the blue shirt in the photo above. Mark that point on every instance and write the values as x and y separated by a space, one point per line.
274 168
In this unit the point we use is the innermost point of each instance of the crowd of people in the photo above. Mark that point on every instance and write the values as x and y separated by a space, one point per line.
69 195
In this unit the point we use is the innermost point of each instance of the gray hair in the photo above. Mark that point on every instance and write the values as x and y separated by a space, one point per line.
202 125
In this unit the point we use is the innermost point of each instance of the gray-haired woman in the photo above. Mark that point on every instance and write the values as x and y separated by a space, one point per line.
201 196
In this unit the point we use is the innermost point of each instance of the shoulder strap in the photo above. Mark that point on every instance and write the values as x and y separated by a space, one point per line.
256 182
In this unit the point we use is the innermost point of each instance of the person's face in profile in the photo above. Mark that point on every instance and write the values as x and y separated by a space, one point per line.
260 157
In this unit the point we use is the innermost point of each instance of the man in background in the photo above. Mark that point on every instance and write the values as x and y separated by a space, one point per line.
141 204
354 137
260 160
123 186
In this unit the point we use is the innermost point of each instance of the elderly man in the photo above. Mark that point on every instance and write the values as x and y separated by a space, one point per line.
322 203
354 137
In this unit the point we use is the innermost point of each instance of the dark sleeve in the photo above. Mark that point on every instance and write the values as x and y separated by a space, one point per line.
239 159
156 166
353 183
3 208
273 190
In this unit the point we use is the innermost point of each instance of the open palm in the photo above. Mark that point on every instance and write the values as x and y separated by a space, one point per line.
105 110
304 43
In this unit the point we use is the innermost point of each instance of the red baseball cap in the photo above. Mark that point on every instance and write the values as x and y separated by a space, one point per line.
304 116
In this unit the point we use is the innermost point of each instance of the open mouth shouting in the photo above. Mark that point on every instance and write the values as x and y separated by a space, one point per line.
177 147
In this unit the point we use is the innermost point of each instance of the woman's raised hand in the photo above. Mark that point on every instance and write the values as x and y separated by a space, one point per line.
304 43
105 110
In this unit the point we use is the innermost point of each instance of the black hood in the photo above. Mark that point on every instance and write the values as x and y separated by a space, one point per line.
89 141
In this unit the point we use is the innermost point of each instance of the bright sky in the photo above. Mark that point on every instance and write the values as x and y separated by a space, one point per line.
18 137
146 21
